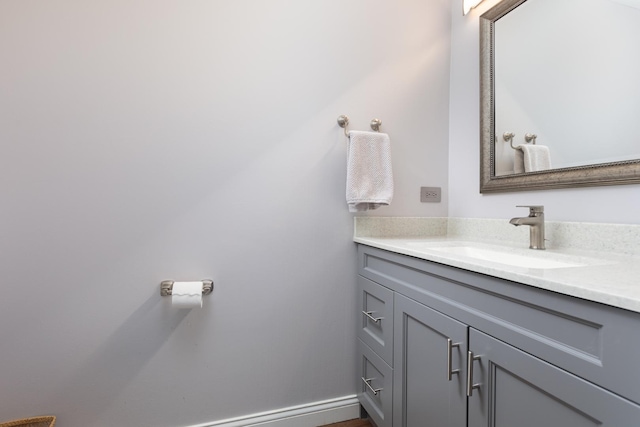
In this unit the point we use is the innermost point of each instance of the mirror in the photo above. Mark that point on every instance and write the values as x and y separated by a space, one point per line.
564 71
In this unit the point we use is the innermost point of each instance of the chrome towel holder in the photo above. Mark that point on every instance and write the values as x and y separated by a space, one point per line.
343 122
530 138
166 287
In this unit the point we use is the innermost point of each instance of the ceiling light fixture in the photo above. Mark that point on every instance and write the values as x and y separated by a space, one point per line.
467 5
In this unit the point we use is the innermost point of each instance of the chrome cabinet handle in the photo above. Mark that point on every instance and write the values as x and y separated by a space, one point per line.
450 346
470 385
373 319
368 383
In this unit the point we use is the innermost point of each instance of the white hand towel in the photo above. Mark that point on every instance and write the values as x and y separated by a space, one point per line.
536 157
369 173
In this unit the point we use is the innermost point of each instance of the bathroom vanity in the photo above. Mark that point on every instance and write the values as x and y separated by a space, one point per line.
443 345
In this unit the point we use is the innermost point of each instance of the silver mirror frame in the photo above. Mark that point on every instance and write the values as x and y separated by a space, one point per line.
616 173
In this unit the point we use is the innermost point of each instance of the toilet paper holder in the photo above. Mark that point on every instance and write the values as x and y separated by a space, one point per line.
166 287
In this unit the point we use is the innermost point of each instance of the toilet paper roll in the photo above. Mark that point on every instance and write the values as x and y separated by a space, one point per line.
186 294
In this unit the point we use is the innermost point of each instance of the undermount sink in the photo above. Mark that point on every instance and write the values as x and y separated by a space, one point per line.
506 256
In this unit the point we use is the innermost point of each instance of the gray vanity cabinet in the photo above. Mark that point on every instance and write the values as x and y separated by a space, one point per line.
473 350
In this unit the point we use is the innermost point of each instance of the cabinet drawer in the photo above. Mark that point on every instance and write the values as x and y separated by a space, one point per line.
375 328
375 386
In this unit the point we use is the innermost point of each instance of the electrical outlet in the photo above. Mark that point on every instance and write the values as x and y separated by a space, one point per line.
430 194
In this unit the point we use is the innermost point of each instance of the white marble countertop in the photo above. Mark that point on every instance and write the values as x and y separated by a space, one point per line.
604 277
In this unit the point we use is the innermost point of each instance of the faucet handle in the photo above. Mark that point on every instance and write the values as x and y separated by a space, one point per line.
533 209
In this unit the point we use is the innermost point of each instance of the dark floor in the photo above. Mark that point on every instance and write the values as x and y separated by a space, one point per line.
352 423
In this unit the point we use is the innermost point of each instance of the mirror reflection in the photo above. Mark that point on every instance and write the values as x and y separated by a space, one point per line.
566 78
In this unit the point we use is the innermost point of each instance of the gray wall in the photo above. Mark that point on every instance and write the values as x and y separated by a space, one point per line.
619 204
146 140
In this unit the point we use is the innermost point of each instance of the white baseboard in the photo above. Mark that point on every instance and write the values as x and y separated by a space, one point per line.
309 415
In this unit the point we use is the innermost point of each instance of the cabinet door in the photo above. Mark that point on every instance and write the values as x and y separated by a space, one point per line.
517 389
428 390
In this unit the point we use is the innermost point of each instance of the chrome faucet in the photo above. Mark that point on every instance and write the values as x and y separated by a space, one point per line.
535 221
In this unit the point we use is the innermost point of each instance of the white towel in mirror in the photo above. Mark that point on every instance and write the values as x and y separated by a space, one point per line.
532 158
369 172
518 161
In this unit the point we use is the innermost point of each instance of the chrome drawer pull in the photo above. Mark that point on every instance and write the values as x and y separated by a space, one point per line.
368 383
373 319
450 346
470 385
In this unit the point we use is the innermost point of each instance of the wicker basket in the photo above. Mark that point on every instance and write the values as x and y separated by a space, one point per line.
31 422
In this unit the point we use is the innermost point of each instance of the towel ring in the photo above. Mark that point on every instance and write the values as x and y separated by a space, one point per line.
343 122
508 137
